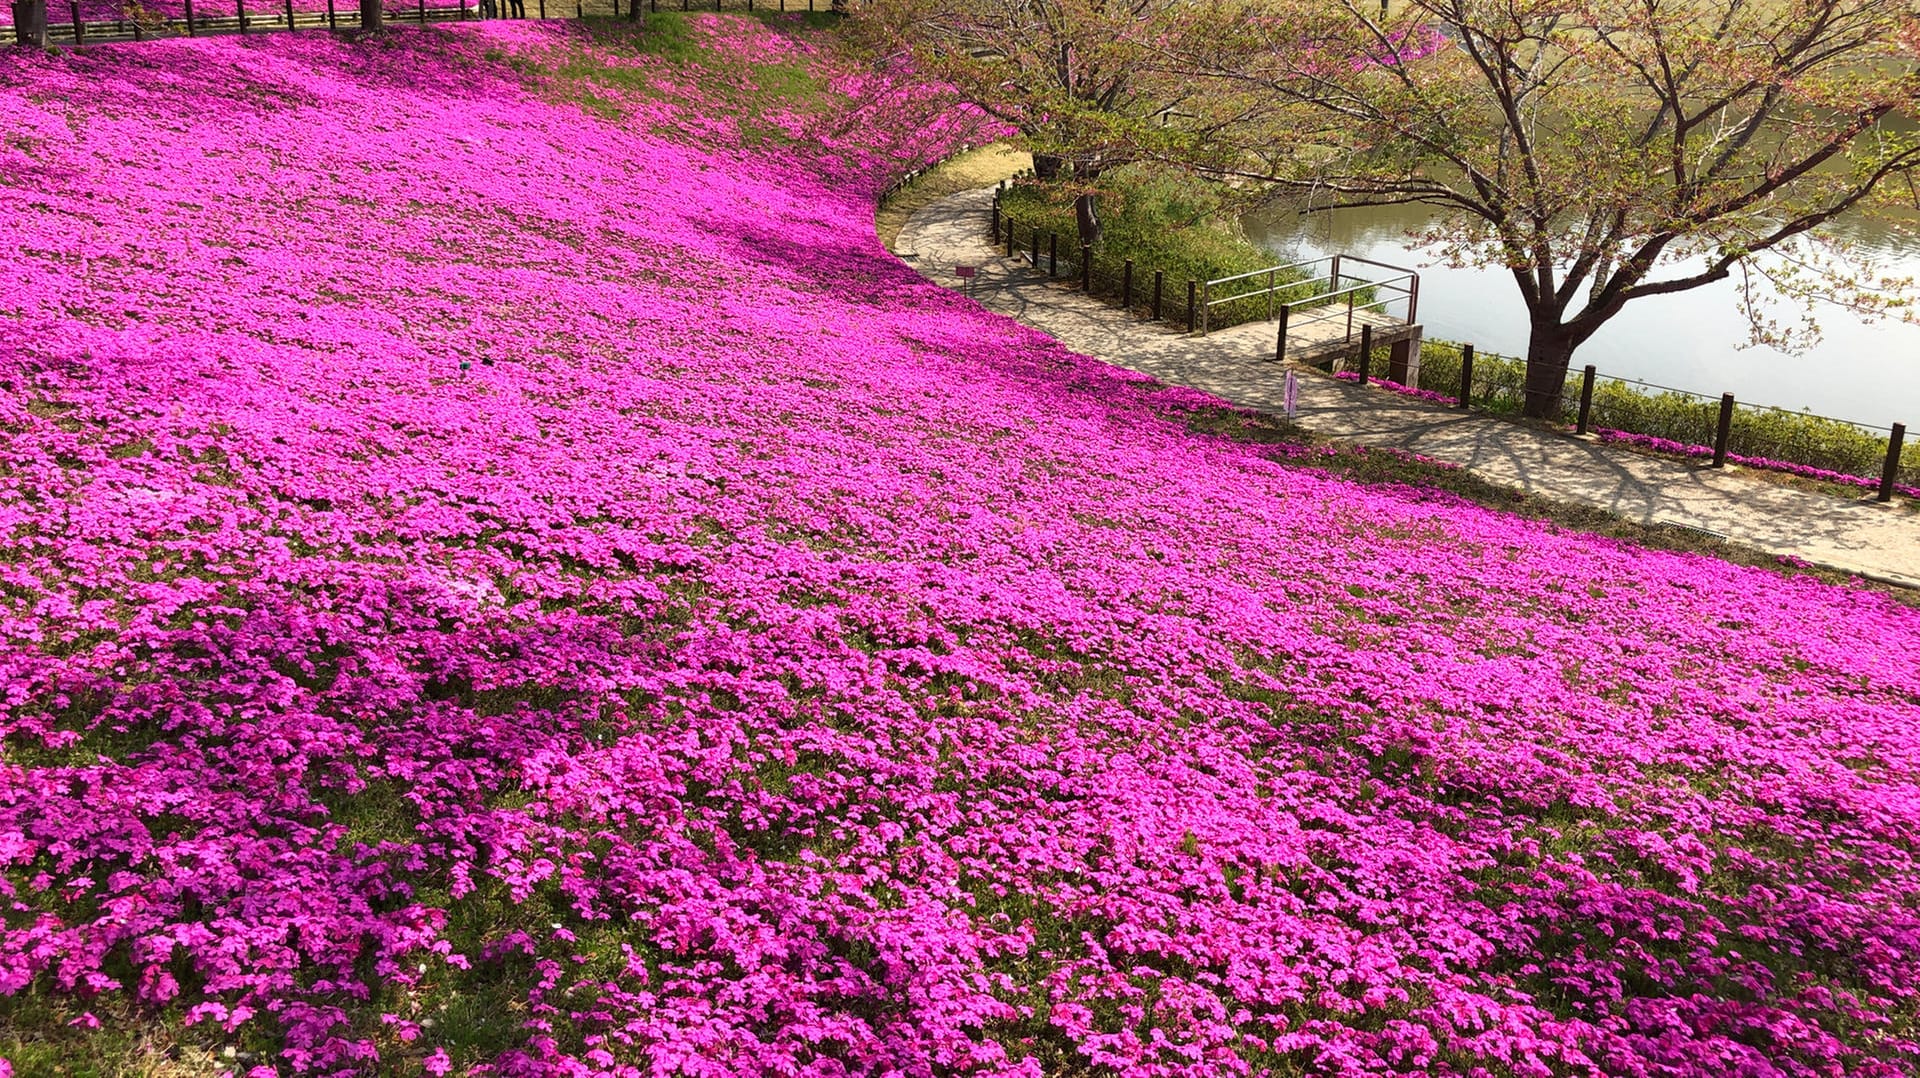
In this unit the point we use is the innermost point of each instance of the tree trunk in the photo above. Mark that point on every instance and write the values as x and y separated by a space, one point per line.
1549 353
1084 216
1047 167
372 17
30 23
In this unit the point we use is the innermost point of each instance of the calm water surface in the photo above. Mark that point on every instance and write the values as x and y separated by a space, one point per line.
1869 373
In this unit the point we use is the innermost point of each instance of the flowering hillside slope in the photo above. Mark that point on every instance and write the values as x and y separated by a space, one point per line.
500 572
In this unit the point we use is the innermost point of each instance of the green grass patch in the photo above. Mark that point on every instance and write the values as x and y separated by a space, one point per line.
600 77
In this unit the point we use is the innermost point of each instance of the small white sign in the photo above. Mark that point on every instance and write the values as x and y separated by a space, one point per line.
1291 396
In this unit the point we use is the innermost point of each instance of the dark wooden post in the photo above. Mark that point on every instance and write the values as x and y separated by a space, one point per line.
1010 228
1366 351
1192 286
996 206
1053 254
1159 279
1586 399
1034 255
1126 284
193 33
1466 376
421 7
1086 267
1722 432
30 23
241 7
1280 338
372 15
333 22
1892 466
289 14
79 25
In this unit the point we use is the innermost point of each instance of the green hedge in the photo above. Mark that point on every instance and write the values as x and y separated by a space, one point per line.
1793 437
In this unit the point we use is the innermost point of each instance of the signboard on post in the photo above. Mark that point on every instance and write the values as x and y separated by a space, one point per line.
967 274
1290 397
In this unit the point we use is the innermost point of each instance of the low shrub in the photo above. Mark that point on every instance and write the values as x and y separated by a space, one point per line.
1797 442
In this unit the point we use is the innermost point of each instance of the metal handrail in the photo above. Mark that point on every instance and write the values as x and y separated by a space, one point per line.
1270 269
1407 270
1411 289
1263 291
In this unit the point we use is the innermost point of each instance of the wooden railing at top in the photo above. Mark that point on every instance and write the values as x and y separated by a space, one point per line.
213 17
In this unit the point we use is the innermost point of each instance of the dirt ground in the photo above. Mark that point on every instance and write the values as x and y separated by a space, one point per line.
976 168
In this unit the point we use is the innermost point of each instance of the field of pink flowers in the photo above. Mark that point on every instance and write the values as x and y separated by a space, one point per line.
501 573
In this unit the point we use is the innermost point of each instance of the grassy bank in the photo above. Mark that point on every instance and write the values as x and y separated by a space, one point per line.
1161 219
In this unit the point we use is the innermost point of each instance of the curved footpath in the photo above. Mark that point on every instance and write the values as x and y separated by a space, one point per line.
1854 535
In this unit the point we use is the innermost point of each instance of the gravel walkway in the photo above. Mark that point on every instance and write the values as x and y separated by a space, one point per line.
1852 534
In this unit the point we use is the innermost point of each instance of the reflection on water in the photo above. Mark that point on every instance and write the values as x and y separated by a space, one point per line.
1690 340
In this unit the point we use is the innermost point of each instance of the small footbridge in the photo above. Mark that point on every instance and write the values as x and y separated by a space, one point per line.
1321 308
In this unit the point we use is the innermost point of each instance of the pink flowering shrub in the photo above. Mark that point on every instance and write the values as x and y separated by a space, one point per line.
1682 449
500 573
1389 384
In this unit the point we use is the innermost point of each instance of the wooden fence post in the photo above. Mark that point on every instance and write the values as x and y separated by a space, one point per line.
1466 376
1034 255
1280 338
996 207
1010 227
1892 466
1722 432
1192 286
289 14
1126 285
1053 254
1366 351
241 7
79 25
1159 279
193 33
1586 399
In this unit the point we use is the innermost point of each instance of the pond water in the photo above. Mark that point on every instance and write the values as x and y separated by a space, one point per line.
1697 340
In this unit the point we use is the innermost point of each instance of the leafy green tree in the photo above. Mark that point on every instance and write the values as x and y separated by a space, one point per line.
1602 151
1088 84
